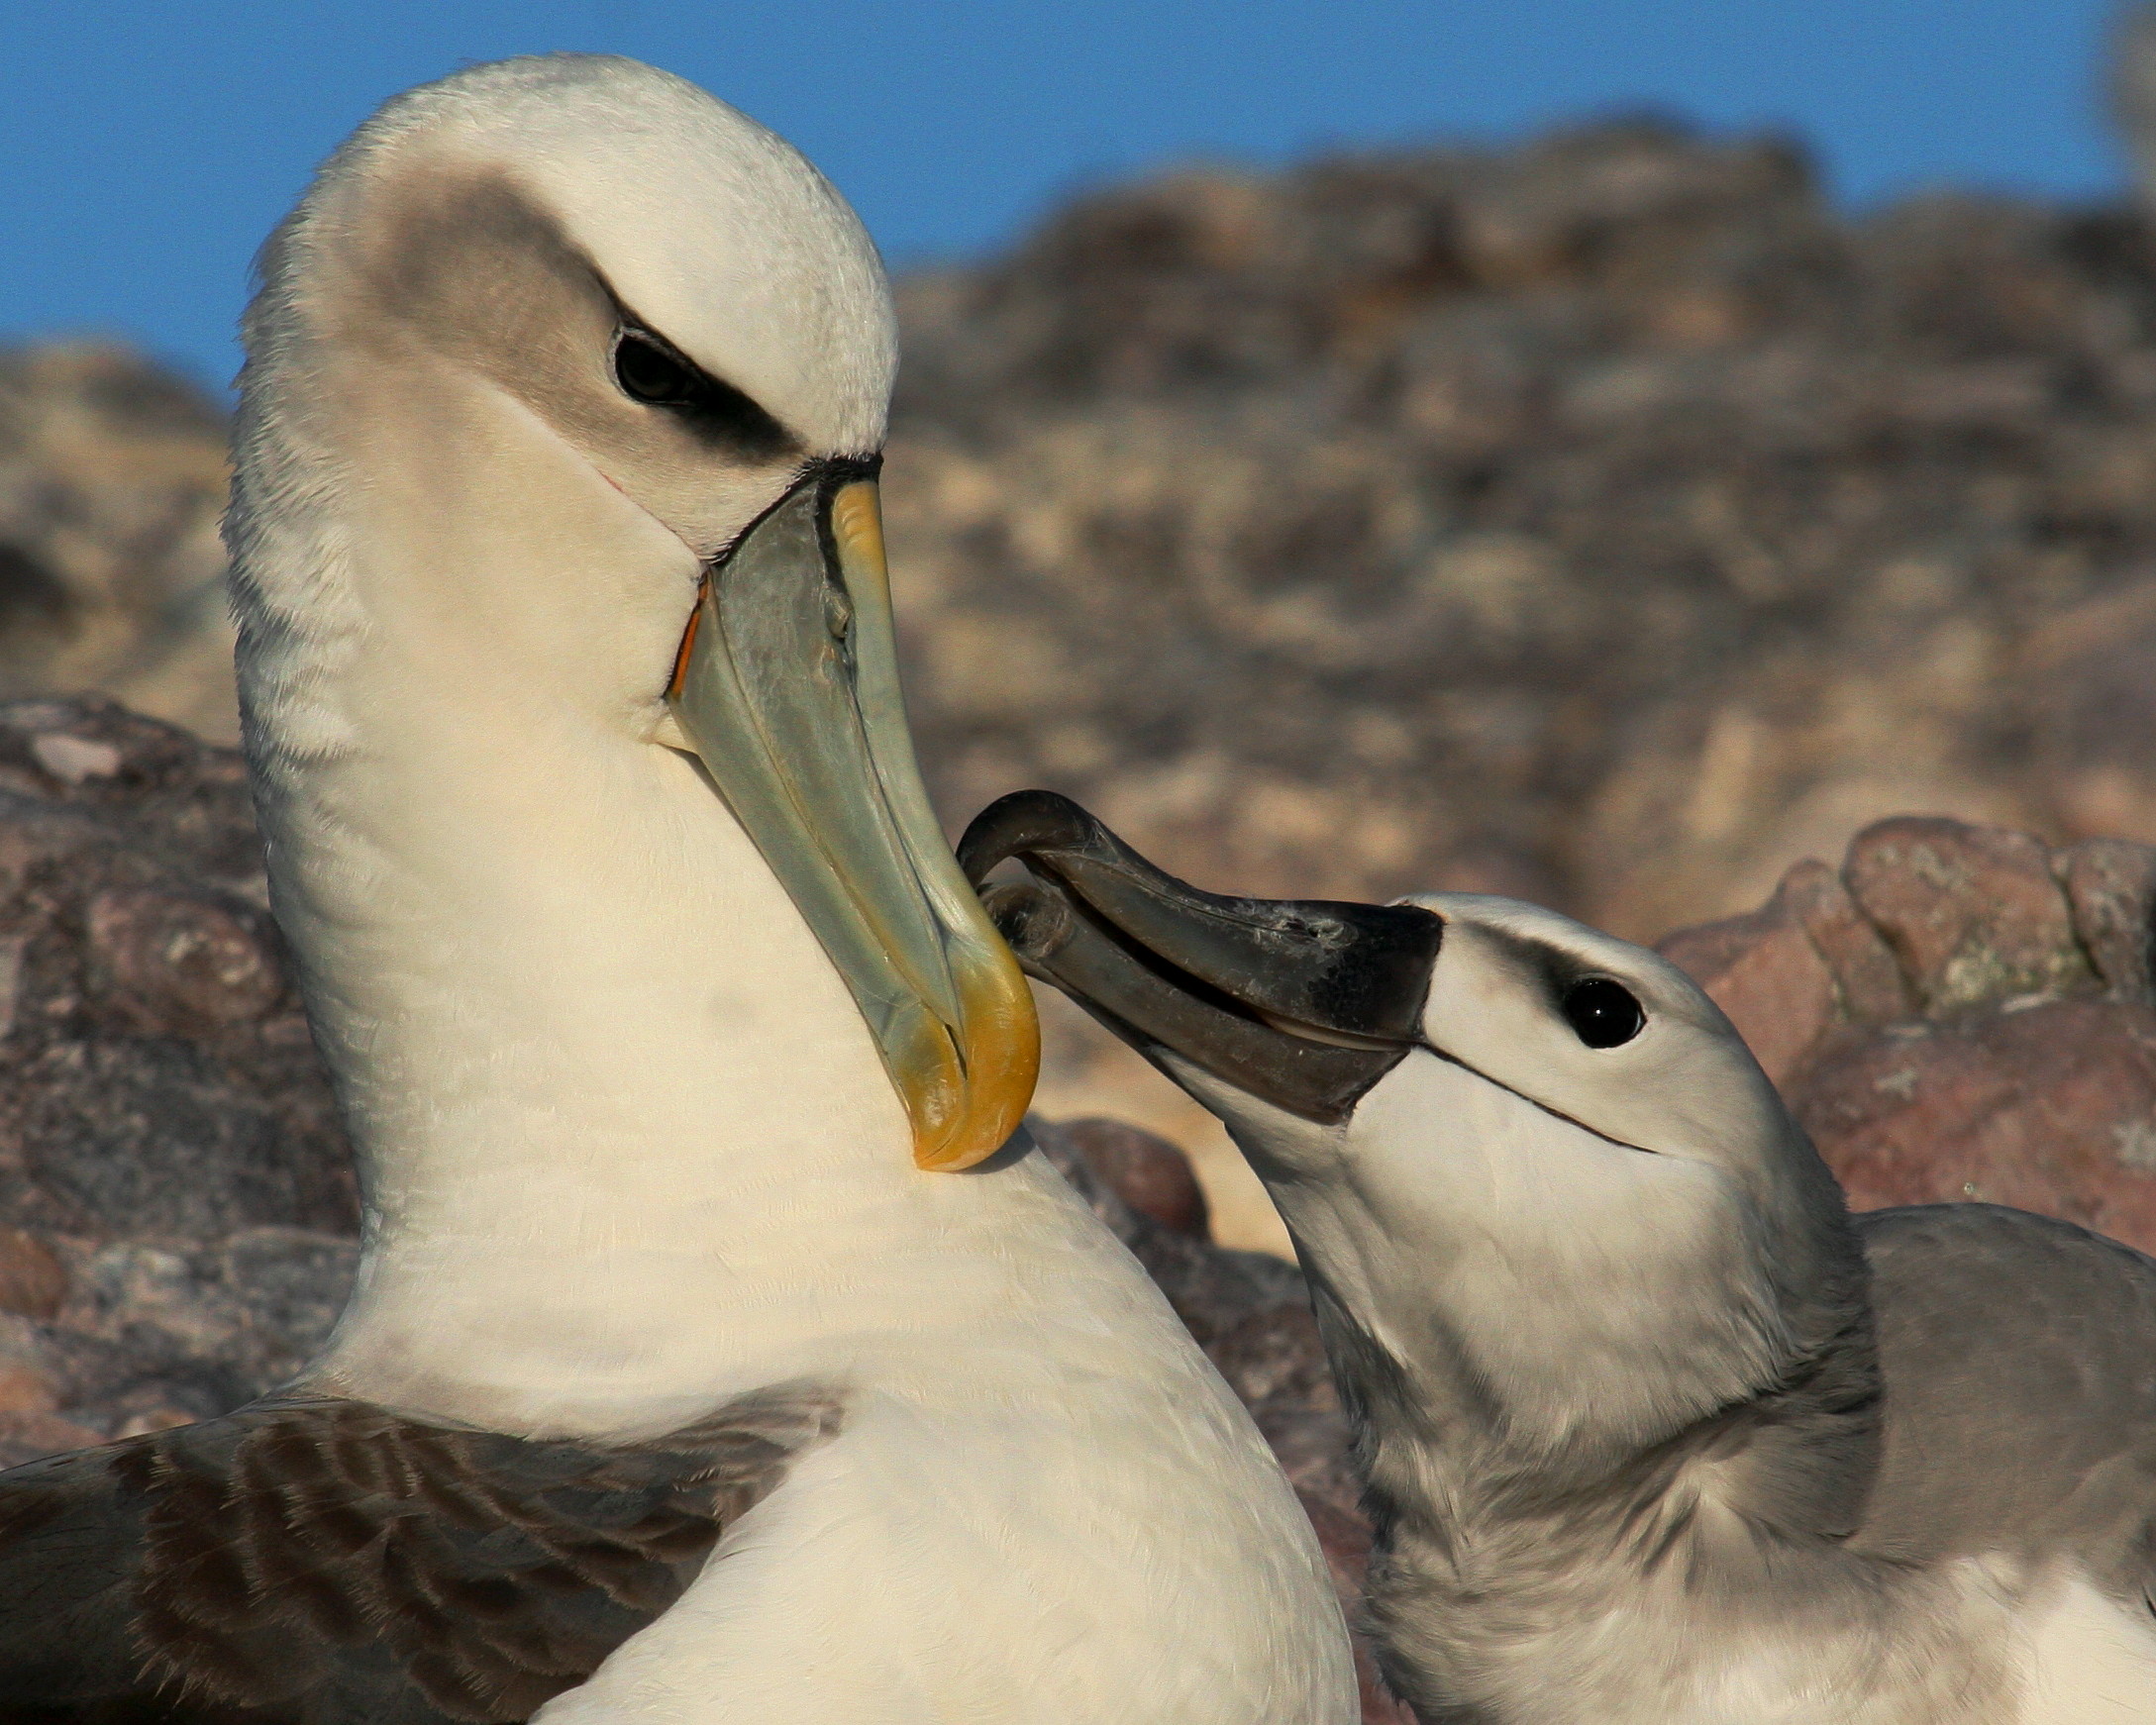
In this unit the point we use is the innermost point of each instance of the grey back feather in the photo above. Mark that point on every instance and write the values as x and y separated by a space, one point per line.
2019 1356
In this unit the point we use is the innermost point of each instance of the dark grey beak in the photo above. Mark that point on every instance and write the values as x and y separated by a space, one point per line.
1304 1003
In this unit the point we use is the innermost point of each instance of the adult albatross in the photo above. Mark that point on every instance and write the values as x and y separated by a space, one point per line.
687 1377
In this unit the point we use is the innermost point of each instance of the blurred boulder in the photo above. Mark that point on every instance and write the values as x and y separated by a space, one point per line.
1147 1172
112 477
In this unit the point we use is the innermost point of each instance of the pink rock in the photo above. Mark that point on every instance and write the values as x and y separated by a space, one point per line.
183 962
1764 971
2111 891
2051 1108
1868 981
2002 1075
1972 913
1788 972
73 760
1148 1173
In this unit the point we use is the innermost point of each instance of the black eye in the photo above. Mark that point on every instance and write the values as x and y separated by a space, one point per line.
1603 1013
648 371
650 374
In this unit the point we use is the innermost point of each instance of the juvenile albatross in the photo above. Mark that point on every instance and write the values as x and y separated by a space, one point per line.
675 1385
1652 1431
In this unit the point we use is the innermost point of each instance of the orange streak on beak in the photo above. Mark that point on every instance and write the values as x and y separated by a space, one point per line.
689 641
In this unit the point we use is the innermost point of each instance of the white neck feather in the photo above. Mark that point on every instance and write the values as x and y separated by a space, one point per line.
626 1142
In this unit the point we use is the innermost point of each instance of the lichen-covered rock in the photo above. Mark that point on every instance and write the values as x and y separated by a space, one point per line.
1768 971
2011 1054
2110 887
1972 914
2050 1108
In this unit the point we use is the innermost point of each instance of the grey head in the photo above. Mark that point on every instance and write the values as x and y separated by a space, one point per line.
1533 1171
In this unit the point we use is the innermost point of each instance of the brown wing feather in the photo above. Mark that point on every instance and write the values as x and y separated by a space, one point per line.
328 1563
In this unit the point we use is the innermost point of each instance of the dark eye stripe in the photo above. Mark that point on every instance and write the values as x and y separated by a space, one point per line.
652 370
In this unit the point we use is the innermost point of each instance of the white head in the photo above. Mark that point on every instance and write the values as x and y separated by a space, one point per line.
1533 1169
432 384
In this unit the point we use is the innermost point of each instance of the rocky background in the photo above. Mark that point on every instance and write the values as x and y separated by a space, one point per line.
112 476
1606 520
178 1206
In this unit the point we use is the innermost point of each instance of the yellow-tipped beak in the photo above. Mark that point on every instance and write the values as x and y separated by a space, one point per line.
787 686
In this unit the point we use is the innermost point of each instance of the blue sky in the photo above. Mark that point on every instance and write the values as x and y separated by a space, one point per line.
145 150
